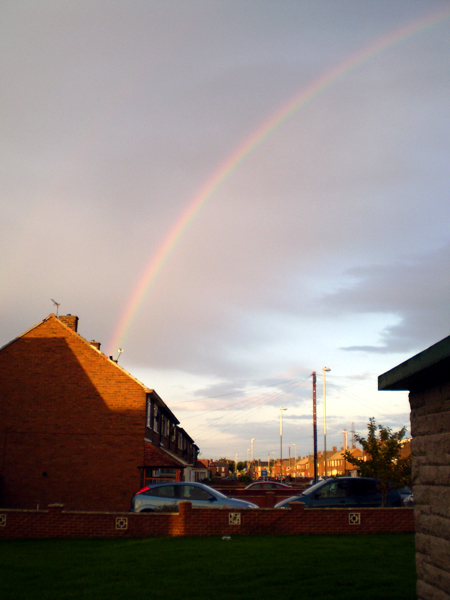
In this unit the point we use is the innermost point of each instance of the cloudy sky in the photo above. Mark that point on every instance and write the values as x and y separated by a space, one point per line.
322 129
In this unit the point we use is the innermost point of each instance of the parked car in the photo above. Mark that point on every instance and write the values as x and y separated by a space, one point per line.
268 485
343 492
166 496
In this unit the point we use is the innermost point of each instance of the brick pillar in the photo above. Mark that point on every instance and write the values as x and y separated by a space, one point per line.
270 499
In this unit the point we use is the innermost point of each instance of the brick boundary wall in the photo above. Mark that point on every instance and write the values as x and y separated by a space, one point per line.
57 523
263 498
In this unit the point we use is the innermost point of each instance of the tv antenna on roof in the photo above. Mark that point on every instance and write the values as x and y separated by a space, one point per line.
57 304
120 350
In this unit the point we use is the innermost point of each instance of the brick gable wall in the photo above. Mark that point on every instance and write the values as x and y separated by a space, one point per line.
72 423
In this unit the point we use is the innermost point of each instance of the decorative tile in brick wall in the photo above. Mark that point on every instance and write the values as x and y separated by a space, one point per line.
234 518
354 519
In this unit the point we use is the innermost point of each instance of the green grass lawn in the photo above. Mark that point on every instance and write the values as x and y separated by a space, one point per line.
361 567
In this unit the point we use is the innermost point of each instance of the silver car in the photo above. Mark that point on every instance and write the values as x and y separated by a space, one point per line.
166 497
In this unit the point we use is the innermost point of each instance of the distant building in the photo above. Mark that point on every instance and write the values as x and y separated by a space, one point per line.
202 473
219 468
77 428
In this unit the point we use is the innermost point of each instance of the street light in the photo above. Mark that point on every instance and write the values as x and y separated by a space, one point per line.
295 460
281 442
248 450
325 369
251 454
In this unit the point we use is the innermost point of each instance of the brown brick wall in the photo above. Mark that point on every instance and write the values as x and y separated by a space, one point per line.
72 424
430 427
55 522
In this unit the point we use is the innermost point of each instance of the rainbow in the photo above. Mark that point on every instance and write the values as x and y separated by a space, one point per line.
249 145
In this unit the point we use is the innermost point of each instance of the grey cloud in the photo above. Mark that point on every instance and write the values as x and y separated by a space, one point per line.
416 290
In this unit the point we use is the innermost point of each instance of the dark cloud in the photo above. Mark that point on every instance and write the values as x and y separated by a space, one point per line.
415 290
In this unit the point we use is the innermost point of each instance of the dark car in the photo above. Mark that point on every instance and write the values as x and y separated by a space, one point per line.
166 496
268 485
344 492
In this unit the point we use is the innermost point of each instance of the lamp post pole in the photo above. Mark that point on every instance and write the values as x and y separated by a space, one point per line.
251 454
235 466
325 369
281 442
295 460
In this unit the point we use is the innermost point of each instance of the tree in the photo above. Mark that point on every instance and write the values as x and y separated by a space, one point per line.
383 458
242 465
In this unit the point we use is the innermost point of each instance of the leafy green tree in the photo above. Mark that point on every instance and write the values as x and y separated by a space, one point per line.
383 458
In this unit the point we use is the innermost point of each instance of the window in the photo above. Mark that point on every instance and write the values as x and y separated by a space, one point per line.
149 414
155 419
363 487
164 491
168 473
335 489
191 492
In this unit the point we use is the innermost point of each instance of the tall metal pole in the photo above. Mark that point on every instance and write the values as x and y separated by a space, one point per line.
281 443
251 464
325 369
314 426
295 461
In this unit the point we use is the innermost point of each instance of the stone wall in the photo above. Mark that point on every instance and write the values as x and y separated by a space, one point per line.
430 427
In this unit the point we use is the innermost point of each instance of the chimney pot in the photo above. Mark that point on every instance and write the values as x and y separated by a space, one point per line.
95 344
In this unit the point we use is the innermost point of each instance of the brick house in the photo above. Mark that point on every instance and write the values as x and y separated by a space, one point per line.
337 465
202 473
427 378
219 468
78 429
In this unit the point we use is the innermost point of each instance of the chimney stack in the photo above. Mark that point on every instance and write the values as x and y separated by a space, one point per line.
70 321
95 344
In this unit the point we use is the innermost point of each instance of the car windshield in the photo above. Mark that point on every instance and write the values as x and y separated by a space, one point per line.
313 488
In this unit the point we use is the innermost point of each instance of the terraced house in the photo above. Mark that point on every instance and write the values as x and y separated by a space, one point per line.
78 429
